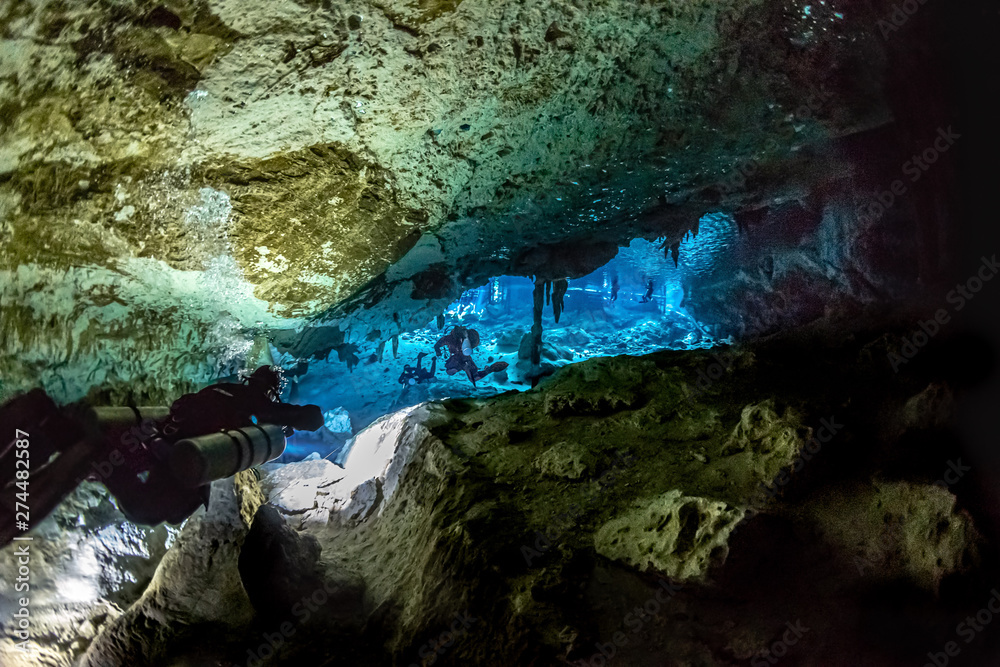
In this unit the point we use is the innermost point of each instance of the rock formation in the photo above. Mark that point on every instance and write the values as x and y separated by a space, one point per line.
542 518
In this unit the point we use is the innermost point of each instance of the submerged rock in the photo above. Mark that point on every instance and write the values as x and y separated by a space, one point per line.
532 524
337 421
564 460
204 168
87 563
196 597
898 531
672 534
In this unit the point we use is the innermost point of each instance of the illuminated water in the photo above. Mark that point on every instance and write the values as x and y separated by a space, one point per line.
591 325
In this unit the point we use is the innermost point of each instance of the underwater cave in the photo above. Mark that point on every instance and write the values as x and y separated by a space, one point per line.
525 332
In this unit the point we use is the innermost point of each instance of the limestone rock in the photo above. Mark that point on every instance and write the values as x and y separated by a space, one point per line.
930 408
337 421
563 460
280 567
511 341
316 492
544 529
761 430
59 634
674 534
198 169
87 551
87 563
586 389
294 488
693 424
195 593
891 531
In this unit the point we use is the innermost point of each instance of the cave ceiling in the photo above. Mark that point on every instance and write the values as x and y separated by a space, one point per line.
176 174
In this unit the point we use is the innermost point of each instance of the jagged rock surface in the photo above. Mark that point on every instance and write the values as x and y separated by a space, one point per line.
87 562
196 595
538 521
672 534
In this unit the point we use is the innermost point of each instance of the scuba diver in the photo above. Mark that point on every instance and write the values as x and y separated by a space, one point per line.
614 289
648 296
460 342
157 462
412 376
461 362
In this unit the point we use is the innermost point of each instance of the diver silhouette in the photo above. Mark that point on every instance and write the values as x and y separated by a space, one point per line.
159 470
411 376
648 296
460 342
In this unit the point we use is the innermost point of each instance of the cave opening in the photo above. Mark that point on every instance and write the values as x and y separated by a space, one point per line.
633 305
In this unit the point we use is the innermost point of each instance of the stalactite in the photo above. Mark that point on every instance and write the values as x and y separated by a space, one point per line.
548 291
675 252
440 321
663 245
536 328
558 293
347 353
395 339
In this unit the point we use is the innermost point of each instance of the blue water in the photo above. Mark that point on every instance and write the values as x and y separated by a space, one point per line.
591 325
